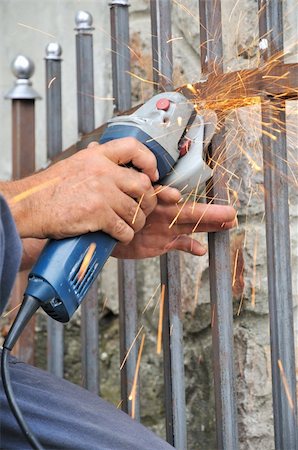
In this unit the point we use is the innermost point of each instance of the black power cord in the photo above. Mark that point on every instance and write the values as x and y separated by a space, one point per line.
27 310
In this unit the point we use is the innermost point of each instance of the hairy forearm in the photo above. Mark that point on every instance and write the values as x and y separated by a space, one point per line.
21 209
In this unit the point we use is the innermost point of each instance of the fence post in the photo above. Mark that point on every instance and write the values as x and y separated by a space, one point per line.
219 251
278 239
23 98
85 96
162 62
55 347
128 315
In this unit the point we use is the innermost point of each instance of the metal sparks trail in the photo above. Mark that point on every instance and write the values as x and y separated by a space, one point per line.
133 393
285 384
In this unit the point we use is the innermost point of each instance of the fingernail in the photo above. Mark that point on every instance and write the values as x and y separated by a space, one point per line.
156 175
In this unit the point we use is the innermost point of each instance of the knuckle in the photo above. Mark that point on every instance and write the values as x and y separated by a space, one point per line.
144 182
123 231
93 144
131 142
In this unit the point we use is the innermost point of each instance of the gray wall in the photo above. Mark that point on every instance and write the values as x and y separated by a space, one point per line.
51 21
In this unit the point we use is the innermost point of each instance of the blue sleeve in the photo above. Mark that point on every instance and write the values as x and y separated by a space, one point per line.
10 253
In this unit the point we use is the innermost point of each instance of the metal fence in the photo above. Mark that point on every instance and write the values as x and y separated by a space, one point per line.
273 97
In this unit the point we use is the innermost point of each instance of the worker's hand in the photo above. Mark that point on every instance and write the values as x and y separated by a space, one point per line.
89 191
162 233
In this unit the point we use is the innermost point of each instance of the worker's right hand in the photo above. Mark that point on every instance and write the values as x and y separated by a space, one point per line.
90 191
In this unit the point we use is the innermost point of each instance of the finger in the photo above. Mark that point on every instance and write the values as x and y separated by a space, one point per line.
188 245
166 194
199 214
116 227
130 211
138 186
208 228
125 150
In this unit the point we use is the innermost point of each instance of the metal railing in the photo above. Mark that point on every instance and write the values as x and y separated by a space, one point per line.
276 204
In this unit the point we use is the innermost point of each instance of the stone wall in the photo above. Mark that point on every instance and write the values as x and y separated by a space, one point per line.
248 249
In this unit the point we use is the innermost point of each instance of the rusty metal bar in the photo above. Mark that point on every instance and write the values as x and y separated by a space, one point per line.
278 241
85 90
55 345
128 315
23 98
219 251
162 62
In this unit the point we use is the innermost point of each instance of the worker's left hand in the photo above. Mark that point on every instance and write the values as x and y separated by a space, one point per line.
160 235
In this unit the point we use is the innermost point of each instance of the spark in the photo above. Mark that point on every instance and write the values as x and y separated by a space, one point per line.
86 261
191 88
150 300
33 190
159 331
130 347
285 383
119 404
235 267
36 29
51 82
202 215
240 304
175 39
140 78
11 310
133 393
180 210
137 209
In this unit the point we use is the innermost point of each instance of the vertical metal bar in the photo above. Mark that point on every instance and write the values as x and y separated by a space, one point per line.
23 98
169 264
126 268
85 73
120 54
55 347
162 55
278 242
85 88
219 251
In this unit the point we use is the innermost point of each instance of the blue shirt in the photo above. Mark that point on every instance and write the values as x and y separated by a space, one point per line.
10 253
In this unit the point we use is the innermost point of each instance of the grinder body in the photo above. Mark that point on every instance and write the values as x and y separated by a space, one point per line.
54 279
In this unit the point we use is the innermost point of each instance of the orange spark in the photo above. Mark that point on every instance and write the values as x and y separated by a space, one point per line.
132 395
240 304
36 29
85 263
202 215
33 190
152 296
11 310
140 78
285 383
235 267
131 346
159 331
137 210
180 210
